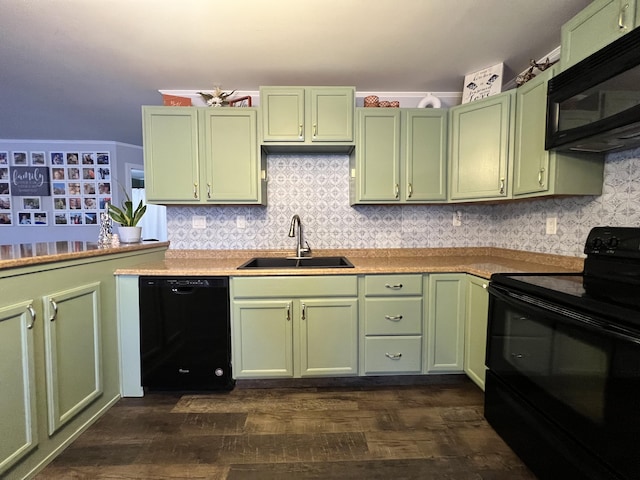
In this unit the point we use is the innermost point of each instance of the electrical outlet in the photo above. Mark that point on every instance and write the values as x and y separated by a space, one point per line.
199 221
552 225
241 222
457 219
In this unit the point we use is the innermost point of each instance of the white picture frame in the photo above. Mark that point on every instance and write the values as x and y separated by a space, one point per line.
483 83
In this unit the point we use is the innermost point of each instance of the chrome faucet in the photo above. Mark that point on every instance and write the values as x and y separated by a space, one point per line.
301 250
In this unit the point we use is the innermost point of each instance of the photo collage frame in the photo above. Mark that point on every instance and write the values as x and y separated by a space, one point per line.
80 187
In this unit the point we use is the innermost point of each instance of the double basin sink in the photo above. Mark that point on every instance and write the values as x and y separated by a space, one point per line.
296 262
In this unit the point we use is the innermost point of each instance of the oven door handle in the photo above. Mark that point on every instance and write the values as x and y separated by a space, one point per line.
563 314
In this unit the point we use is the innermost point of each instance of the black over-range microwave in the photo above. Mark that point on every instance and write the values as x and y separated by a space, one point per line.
594 105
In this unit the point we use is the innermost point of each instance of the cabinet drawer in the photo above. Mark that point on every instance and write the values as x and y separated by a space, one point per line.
295 286
393 354
393 316
393 285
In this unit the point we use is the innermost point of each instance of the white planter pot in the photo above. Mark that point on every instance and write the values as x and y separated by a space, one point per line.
130 234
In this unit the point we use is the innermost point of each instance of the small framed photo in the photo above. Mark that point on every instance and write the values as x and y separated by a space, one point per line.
75 203
20 158
104 188
72 158
102 201
25 218
38 159
40 218
61 219
75 218
90 203
57 158
4 174
31 203
60 203
104 173
88 174
57 173
74 188
88 159
103 158
59 188
5 203
5 219
4 158
90 218
73 173
89 188
4 188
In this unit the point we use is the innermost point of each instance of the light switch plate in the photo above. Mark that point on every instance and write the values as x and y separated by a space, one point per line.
552 225
199 221
241 222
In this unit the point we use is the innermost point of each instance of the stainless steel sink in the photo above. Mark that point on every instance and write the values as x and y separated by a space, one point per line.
293 262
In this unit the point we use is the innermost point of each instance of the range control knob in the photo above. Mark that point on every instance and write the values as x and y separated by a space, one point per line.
613 242
597 243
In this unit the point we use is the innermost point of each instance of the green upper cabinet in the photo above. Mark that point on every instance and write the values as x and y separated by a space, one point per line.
481 136
599 24
171 154
203 155
401 156
540 172
307 115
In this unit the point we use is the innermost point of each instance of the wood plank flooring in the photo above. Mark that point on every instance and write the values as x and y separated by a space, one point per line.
350 429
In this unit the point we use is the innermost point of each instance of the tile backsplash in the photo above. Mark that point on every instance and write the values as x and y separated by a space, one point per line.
316 187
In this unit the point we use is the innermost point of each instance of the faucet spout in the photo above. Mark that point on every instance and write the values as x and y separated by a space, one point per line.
301 250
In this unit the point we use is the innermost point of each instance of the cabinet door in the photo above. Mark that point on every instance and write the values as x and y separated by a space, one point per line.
262 338
378 155
231 165
328 337
17 384
425 140
282 114
332 114
72 352
531 160
445 327
476 329
171 154
599 24
481 133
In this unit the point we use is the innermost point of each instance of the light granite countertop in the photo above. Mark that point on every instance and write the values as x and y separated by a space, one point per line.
480 261
26 254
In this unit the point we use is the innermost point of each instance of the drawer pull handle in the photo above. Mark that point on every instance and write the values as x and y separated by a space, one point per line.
396 286
54 306
32 312
393 318
393 356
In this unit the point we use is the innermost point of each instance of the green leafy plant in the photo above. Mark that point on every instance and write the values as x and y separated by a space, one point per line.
127 216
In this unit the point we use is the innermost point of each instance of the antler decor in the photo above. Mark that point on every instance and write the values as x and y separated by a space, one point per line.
528 75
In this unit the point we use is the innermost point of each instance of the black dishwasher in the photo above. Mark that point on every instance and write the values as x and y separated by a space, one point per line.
185 333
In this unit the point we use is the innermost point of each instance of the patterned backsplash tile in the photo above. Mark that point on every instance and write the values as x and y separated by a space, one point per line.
316 187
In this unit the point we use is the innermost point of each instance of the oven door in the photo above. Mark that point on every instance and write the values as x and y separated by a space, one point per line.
580 372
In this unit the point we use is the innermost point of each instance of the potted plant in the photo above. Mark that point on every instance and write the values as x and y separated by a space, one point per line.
128 219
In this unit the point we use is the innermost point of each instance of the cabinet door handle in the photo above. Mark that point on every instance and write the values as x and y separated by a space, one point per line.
32 312
393 318
195 190
393 356
54 306
502 186
409 190
304 312
484 285
289 313
315 130
396 286
622 17
208 190
300 127
541 177
397 190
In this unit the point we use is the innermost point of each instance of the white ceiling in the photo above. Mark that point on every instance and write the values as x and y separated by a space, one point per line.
81 69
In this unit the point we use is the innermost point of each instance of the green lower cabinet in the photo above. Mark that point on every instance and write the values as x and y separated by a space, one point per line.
17 383
392 324
475 332
445 323
72 352
311 332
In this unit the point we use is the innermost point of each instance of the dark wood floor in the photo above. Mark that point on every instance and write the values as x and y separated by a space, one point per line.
296 431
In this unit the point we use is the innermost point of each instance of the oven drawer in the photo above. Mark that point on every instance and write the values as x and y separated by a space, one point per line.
393 354
393 316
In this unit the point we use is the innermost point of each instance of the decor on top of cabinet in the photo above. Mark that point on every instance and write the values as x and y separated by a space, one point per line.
483 83
527 75
374 101
175 101
430 100
216 99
